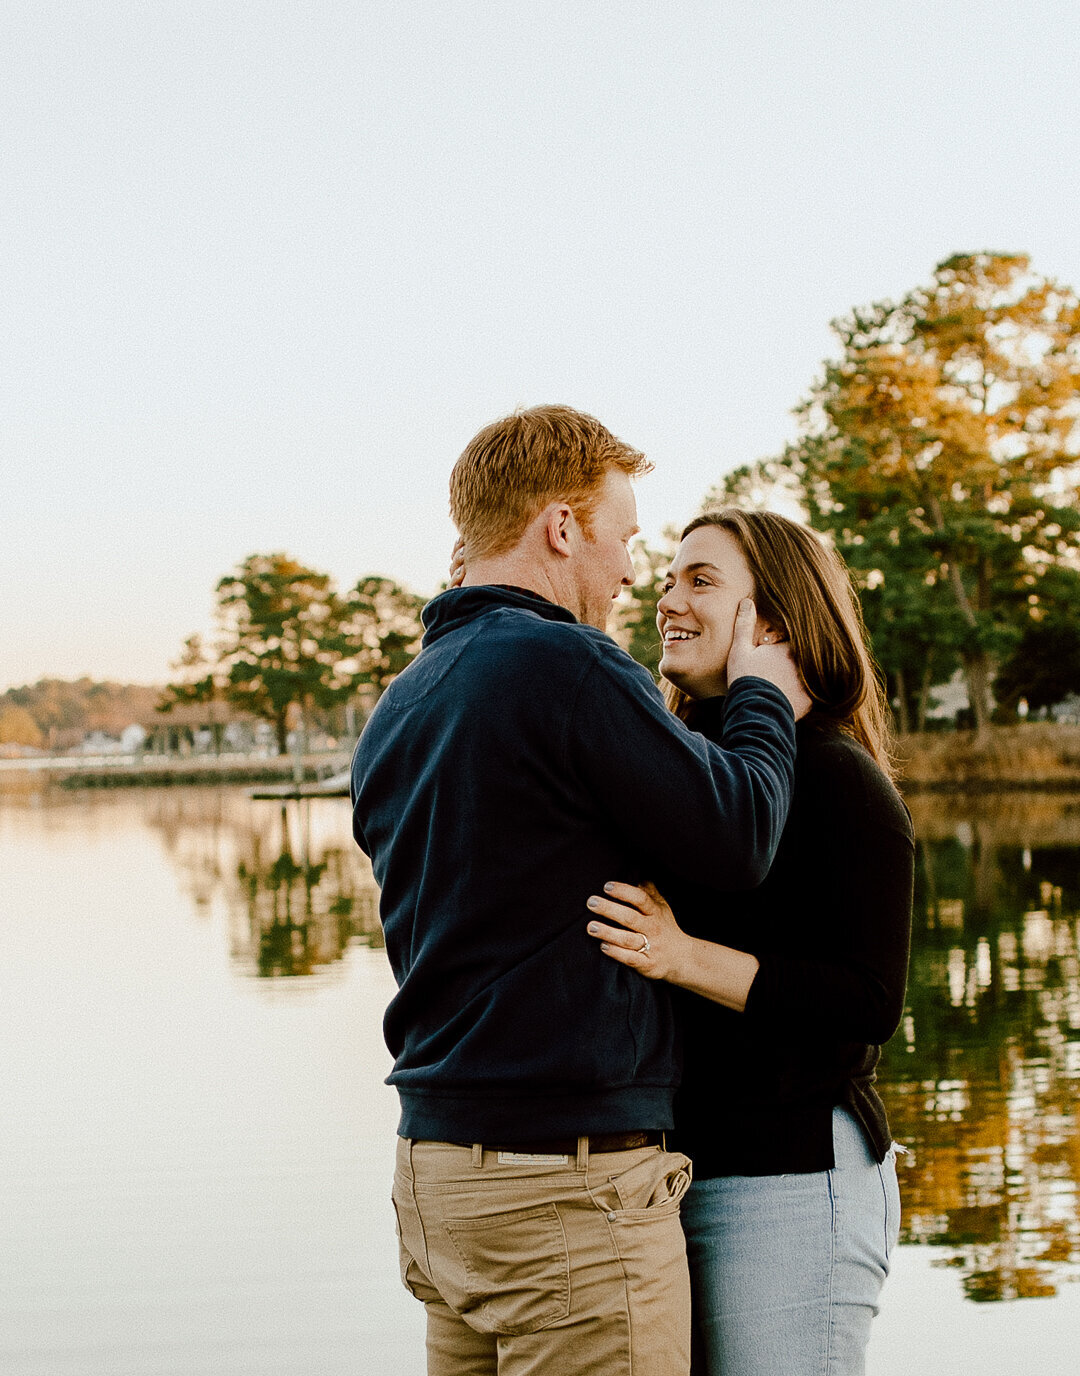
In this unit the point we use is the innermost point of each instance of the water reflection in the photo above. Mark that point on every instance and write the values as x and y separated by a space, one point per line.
301 909
981 1080
298 890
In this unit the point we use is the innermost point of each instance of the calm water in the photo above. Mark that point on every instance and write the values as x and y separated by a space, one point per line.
195 1140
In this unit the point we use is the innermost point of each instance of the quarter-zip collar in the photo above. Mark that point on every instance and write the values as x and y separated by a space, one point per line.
458 606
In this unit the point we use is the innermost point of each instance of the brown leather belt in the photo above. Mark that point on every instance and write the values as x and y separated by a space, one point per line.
567 1146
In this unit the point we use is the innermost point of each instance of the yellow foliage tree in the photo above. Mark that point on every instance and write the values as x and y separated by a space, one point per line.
18 727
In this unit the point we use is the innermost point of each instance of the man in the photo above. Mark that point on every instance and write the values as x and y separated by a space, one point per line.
516 765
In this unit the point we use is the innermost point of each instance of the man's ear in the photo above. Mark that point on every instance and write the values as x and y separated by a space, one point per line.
559 528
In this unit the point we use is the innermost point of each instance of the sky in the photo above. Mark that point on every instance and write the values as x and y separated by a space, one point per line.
267 266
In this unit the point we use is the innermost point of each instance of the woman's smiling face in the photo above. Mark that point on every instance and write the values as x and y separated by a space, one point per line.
708 578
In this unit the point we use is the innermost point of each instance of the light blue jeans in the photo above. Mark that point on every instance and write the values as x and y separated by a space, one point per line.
786 1270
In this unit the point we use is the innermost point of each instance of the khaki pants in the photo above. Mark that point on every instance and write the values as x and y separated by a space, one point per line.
573 1267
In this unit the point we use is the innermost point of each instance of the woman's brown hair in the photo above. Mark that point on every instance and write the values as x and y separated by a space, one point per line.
803 589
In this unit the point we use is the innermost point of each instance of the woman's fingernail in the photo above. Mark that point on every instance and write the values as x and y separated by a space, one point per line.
594 927
608 888
592 902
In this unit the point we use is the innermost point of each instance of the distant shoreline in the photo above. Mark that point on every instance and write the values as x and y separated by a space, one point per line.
1031 757
156 771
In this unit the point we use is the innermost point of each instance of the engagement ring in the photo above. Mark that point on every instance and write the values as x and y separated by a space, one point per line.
644 950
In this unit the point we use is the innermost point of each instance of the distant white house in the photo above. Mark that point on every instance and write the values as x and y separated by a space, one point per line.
98 743
949 699
132 738
1068 710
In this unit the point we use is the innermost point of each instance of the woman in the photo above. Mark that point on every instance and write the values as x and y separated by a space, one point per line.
794 1209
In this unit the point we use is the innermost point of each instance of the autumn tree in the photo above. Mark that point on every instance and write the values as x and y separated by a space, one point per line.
65 710
284 640
18 727
940 453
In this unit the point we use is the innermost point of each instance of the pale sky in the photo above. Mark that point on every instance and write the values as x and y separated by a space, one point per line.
268 265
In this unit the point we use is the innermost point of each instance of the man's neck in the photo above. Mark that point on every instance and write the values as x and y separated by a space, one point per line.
513 573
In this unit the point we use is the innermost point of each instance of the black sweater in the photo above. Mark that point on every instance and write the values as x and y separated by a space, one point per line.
520 761
831 928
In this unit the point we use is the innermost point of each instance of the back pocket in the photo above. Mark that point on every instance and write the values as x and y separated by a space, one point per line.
517 1269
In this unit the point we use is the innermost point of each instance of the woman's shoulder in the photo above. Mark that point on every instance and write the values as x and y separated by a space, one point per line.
823 748
833 768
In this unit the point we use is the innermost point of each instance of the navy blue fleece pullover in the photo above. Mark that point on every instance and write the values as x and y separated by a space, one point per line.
520 761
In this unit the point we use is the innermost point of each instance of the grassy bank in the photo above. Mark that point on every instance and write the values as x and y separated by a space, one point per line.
1039 755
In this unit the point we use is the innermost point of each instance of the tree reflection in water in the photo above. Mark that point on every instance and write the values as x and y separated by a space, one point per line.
297 889
304 909
981 1080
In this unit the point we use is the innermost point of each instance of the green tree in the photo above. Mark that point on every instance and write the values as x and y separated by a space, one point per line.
285 641
382 622
197 684
939 452
1045 667
193 685
635 625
